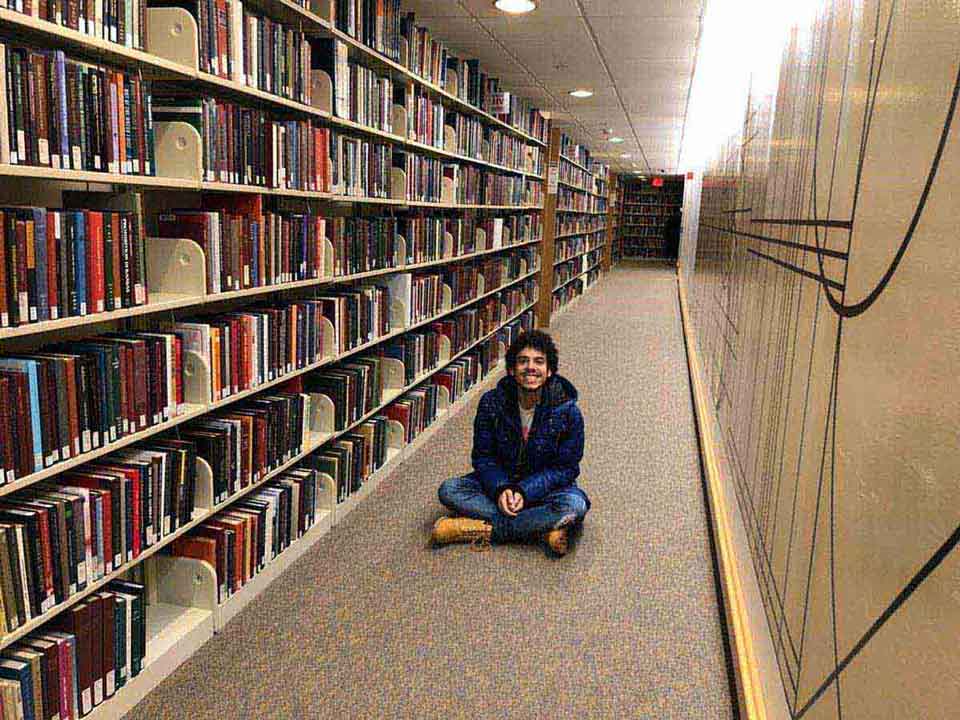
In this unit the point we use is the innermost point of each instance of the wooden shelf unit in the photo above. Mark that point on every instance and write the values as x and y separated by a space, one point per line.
178 625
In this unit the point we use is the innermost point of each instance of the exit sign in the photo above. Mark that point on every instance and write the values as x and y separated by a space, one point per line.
657 182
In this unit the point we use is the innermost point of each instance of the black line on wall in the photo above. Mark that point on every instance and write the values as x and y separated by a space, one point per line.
898 602
799 271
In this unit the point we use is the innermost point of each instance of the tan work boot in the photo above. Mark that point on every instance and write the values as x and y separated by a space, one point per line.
556 540
460 530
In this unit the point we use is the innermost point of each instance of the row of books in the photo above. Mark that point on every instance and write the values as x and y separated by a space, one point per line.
246 442
67 263
361 168
120 21
239 542
575 176
569 292
72 398
78 660
251 49
570 200
564 272
425 117
567 248
568 224
56 539
380 25
360 94
573 151
248 146
66 114
246 246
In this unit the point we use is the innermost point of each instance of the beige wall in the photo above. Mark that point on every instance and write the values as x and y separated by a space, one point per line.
837 395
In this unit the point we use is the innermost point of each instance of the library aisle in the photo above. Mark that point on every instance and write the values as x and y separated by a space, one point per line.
372 623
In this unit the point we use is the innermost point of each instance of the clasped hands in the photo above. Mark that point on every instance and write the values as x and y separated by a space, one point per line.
510 502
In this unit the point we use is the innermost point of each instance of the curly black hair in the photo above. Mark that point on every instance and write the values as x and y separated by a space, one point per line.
536 340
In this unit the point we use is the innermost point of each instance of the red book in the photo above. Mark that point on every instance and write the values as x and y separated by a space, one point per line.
118 299
53 265
4 310
178 368
96 283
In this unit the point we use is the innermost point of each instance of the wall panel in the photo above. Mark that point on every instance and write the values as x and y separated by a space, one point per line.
824 289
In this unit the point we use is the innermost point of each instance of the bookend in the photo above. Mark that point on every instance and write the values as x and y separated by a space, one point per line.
449 139
398 184
179 151
173 34
447 245
452 85
321 91
481 240
399 120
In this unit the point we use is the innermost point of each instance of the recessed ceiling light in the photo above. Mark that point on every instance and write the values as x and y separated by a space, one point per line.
616 139
581 93
515 7
624 155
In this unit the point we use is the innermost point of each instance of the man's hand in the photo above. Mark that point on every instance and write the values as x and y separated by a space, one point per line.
510 502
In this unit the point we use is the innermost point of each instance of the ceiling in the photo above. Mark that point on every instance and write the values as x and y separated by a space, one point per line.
637 56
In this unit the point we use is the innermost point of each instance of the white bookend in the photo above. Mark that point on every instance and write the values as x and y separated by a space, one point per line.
445 349
399 120
448 190
401 296
398 184
400 252
447 297
322 418
481 285
327 263
447 245
497 233
176 268
449 139
482 239
321 90
179 150
172 34
392 374
452 85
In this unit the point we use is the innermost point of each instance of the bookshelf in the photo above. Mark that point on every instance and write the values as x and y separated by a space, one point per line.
614 245
301 267
644 211
575 224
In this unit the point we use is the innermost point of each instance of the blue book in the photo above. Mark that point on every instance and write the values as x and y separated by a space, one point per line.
80 259
33 382
20 672
40 245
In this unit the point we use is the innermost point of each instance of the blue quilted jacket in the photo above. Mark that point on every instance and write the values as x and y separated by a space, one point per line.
548 461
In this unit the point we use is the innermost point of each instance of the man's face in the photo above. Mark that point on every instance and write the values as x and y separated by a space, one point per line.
531 370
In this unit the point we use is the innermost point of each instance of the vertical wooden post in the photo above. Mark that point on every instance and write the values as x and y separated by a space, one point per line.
547 246
609 235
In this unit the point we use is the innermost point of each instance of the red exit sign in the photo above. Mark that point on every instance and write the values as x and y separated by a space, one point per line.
657 182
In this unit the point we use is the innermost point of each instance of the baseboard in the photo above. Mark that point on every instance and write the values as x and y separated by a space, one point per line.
758 686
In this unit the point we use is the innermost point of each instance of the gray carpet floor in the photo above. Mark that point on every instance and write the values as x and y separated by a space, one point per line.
371 623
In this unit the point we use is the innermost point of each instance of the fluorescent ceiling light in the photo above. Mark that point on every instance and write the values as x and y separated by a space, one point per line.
515 7
624 155
581 93
616 139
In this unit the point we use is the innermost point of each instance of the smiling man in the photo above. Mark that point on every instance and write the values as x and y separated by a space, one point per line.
527 446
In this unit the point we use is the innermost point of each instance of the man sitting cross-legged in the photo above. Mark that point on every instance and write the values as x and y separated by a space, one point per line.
527 446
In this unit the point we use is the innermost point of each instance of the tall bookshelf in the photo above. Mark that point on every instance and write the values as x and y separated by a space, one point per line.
644 212
614 251
456 204
575 224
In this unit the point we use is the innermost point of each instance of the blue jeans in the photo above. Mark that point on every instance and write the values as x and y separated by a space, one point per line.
561 508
